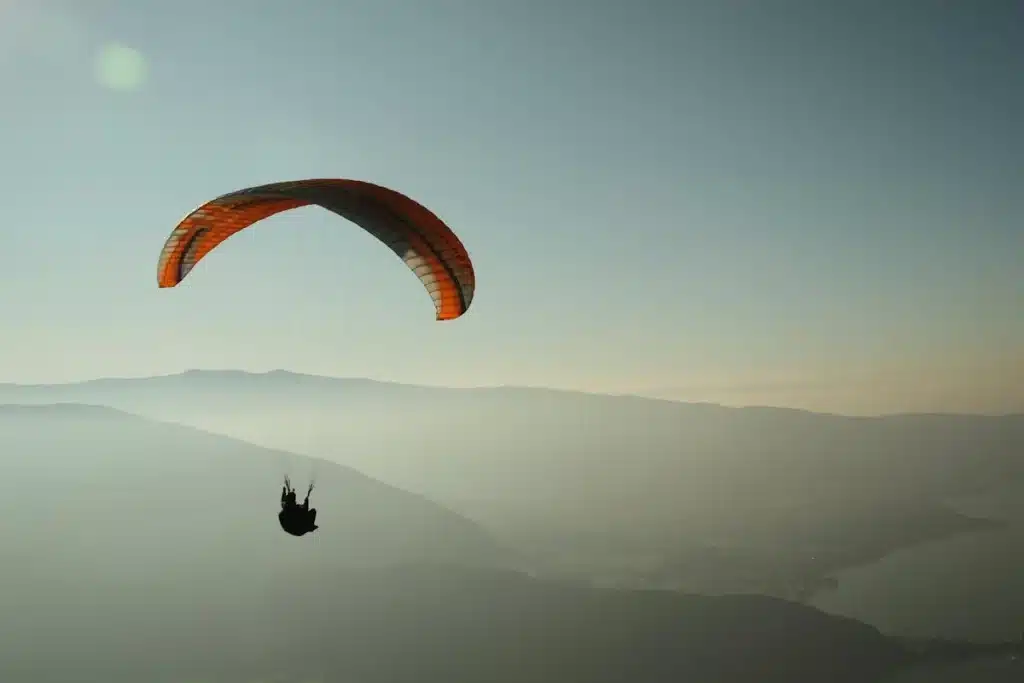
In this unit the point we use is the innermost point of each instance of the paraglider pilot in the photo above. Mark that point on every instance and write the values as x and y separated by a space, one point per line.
297 520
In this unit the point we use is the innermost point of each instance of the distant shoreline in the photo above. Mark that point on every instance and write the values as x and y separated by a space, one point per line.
956 524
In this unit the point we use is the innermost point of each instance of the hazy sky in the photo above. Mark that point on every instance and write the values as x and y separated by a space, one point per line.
753 201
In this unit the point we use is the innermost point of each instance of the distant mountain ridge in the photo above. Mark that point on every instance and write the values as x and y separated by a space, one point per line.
457 431
595 475
245 379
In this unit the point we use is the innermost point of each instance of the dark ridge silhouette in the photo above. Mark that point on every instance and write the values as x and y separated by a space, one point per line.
423 624
940 650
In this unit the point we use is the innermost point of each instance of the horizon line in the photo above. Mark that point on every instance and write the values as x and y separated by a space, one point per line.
611 394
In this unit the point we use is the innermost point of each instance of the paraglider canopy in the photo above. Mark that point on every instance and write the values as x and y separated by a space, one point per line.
427 246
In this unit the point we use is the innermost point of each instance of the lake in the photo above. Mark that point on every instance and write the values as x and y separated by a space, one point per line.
970 586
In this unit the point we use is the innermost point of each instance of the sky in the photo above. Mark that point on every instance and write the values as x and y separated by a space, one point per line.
774 202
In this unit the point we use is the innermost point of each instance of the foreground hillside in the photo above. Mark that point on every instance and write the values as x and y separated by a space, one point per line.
418 625
114 491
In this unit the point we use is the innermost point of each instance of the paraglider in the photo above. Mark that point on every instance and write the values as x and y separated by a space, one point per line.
297 520
422 240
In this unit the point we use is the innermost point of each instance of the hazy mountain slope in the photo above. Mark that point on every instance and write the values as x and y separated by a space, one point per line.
135 550
95 483
604 462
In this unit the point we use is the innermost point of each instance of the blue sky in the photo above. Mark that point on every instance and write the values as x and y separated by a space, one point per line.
794 203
